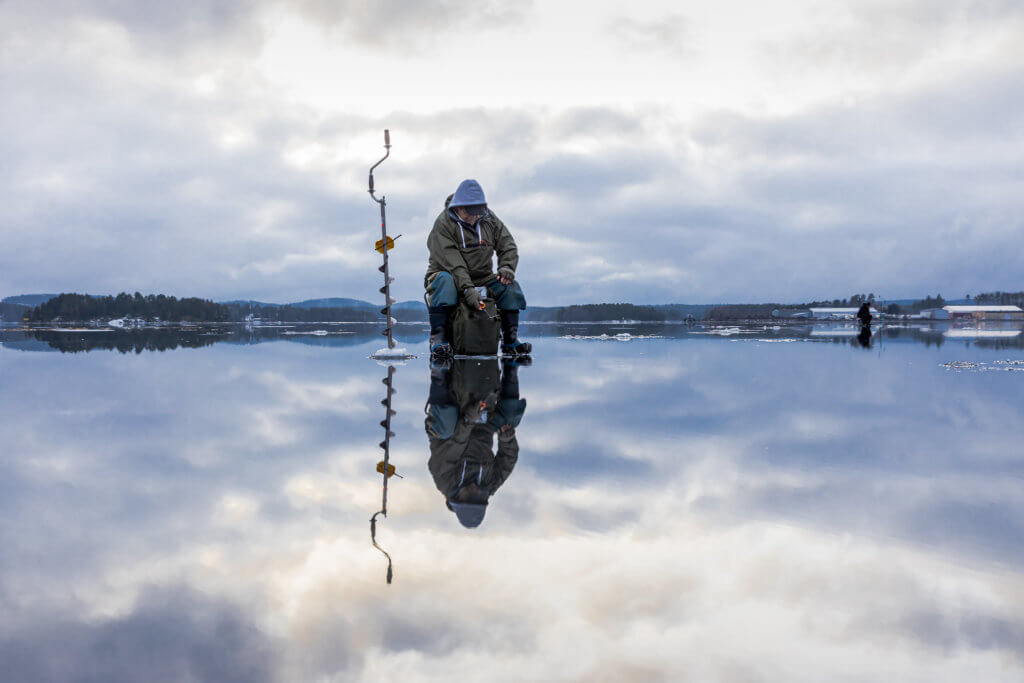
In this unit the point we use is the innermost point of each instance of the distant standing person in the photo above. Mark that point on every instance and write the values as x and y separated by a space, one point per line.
864 314
463 242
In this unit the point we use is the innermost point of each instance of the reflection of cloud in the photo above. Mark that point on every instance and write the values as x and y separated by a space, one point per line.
171 634
672 498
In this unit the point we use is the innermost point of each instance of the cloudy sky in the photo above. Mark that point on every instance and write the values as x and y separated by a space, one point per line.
652 152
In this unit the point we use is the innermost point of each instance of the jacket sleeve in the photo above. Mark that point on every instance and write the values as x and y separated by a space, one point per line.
445 251
504 461
505 246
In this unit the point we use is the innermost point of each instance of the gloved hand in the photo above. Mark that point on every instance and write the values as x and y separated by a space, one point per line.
506 275
473 412
472 297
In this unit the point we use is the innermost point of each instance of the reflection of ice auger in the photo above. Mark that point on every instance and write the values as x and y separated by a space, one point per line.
385 466
383 245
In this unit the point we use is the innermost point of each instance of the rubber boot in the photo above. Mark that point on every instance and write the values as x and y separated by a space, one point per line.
510 344
439 346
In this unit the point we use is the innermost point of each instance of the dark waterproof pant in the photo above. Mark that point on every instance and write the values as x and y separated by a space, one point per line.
441 291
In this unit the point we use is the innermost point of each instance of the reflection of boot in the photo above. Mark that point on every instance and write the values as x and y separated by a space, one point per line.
439 366
439 346
439 392
510 344
510 376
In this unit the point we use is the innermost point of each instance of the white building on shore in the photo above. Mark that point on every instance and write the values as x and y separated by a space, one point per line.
934 314
984 312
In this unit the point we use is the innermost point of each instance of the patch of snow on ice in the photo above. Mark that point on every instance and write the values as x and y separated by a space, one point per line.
720 331
995 366
621 336
959 365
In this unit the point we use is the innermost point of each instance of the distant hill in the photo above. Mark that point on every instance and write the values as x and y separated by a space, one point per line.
12 313
329 302
249 302
333 302
28 299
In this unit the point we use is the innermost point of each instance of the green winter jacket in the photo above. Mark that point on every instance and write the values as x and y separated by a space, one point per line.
467 253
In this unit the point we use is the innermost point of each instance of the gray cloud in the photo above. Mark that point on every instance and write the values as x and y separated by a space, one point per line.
668 33
407 25
897 37
123 179
156 30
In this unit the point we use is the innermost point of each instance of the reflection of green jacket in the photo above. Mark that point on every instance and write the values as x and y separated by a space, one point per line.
462 435
467 253
468 457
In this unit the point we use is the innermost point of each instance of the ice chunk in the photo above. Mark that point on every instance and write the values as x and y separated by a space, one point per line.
396 355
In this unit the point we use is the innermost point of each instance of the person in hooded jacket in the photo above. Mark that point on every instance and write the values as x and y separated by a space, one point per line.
864 314
463 243
468 406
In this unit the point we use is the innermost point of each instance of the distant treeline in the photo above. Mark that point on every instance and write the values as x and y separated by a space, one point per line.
295 314
755 311
928 302
745 311
596 313
1000 299
302 314
82 307
759 311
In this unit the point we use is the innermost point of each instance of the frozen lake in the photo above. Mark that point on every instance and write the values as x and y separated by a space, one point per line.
734 503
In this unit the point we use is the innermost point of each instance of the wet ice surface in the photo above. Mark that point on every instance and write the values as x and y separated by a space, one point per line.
701 506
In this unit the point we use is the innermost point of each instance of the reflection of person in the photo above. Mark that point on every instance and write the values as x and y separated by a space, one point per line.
462 244
470 403
864 336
